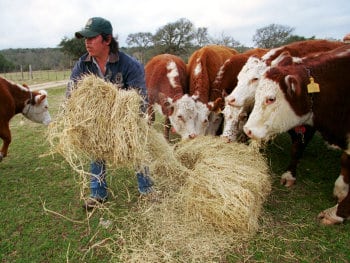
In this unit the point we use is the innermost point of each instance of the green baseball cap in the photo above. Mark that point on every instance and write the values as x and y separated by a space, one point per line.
94 27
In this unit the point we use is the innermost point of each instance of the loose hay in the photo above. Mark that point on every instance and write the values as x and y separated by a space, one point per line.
214 211
211 192
103 122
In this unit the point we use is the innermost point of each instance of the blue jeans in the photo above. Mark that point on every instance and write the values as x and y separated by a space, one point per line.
98 184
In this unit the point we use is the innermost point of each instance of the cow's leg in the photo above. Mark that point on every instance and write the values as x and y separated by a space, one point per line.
167 128
341 186
300 140
5 135
341 211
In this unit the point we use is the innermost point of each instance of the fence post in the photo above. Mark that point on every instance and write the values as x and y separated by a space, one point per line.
30 72
22 72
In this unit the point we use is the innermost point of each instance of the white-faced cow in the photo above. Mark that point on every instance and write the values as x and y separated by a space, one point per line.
249 76
203 66
316 93
248 79
226 80
16 99
167 85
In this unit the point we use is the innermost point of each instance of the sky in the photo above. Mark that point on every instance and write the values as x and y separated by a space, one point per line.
44 23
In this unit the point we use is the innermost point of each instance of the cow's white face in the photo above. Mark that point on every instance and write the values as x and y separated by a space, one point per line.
188 117
272 114
248 79
202 121
232 124
39 112
215 120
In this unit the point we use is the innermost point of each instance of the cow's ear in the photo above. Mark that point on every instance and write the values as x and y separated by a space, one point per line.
168 106
216 105
196 95
284 59
224 93
40 98
25 85
293 85
163 100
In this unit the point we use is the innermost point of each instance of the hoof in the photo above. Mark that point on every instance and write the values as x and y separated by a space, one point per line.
287 179
329 217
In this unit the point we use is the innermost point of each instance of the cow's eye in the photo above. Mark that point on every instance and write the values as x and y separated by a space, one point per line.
180 117
270 100
253 80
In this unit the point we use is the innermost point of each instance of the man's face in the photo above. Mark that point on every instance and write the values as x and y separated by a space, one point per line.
95 45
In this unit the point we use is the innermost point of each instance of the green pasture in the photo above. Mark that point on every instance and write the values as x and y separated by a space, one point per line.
37 77
41 219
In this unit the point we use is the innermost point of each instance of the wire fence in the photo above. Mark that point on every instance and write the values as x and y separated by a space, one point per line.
40 76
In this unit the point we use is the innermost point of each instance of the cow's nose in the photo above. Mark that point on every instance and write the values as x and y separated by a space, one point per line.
248 131
192 136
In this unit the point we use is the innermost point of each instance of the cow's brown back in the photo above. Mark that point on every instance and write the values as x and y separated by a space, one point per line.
302 48
157 78
210 59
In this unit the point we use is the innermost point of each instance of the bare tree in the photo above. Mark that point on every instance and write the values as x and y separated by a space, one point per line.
141 41
201 36
225 40
175 38
272 36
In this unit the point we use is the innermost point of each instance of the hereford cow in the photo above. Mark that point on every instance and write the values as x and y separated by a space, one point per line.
315 93
226 80
167 83
202 68
16 99
250 74
248 79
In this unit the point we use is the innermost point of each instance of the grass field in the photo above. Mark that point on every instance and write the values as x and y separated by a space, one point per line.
36 77
42 219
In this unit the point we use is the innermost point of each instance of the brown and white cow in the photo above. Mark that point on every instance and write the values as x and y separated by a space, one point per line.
315 93
16 99
251 72
226 81
167 85
203 66
242 97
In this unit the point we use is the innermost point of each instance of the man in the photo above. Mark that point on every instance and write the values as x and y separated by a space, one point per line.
104 59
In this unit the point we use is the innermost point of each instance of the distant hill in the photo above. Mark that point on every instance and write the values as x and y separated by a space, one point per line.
38 58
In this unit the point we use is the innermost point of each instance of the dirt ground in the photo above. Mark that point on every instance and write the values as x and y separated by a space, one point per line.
48 85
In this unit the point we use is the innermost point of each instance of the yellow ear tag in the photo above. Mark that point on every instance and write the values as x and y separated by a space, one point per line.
313 87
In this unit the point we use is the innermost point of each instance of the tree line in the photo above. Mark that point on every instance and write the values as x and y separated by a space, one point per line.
180 38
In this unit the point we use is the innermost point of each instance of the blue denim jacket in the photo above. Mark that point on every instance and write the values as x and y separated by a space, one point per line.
121 69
